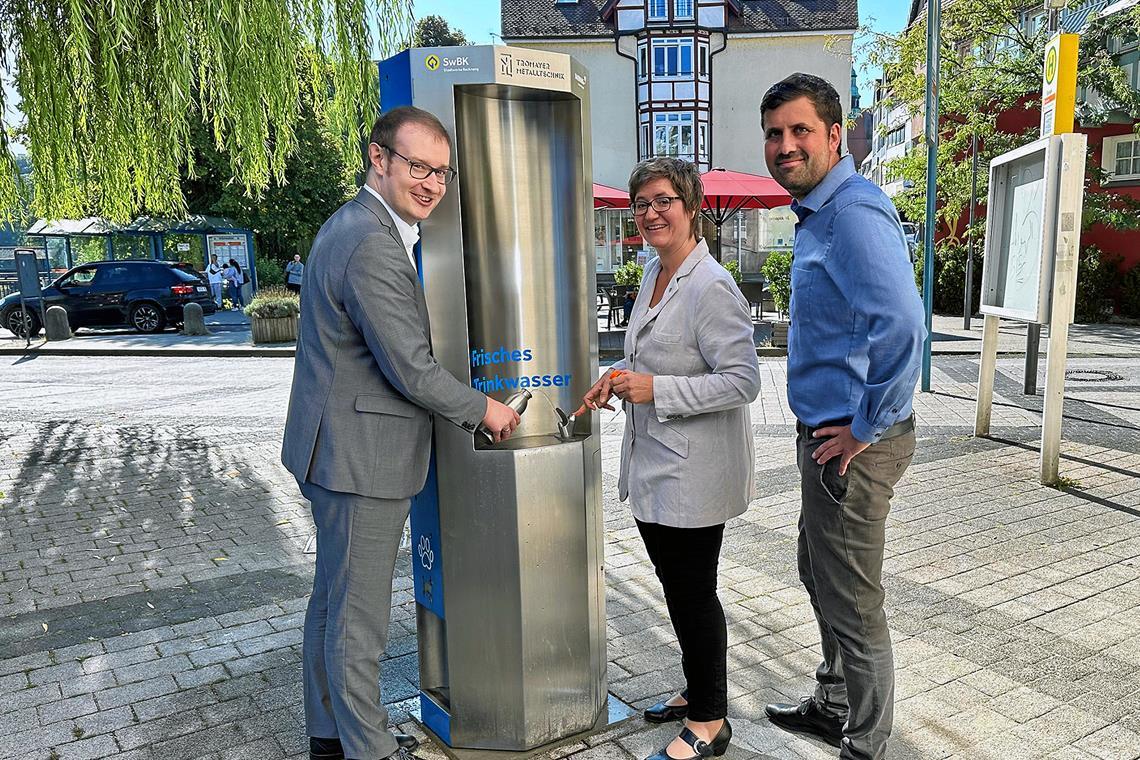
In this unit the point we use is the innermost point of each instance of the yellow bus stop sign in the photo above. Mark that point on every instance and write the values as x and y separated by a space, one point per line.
1059 85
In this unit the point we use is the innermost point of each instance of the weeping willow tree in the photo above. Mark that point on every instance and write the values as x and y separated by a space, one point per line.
108 90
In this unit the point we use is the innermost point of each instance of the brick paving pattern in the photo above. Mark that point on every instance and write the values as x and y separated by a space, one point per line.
153 580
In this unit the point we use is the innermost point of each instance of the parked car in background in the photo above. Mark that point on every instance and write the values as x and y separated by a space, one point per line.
145 295
910 230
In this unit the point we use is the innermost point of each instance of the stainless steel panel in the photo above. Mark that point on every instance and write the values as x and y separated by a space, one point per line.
521 173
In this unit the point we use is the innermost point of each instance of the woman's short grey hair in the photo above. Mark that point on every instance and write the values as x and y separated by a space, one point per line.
683 175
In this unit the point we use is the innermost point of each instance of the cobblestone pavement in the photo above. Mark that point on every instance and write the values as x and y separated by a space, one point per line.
153 578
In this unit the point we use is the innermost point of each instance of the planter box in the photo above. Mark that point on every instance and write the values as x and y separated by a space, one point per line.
274 329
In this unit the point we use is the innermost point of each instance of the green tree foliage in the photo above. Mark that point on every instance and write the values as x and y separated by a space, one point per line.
988 67
111 92
285 216
434 31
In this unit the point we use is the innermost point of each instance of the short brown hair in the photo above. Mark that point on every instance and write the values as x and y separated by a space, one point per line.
683 175
819 91
385 127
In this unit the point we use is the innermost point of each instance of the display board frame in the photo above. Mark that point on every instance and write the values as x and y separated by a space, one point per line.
1019 233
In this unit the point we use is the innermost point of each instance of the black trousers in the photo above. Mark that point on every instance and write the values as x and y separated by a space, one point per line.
685 560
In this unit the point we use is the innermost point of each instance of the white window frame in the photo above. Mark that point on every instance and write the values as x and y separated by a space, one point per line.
675 129
642 62
678 12
657 10
1109 156
677 44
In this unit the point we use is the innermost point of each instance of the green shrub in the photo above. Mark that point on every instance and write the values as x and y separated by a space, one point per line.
629 273
950 277
733 268
1096 276
270 272
778 273
273 302
1130 293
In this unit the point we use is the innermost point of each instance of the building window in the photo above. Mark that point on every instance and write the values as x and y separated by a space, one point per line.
682 9
896 136
704 61
673 135
672 58
644 141
1120 157
657 10
642 62
702 142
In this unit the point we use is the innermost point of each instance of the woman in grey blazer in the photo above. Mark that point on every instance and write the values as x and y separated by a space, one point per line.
687 459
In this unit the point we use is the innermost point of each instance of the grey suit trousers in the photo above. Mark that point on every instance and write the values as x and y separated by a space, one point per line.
842 534
346 624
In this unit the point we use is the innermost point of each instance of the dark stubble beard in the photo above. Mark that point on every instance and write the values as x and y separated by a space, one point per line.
807 175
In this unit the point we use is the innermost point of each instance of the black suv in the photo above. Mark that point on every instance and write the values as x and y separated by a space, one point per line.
147 295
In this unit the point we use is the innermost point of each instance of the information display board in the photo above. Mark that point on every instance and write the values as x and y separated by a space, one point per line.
1022 232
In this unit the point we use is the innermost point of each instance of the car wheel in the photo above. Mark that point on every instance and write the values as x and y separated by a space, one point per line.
22 325
147 317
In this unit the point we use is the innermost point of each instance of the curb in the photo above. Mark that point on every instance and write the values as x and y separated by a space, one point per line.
266 352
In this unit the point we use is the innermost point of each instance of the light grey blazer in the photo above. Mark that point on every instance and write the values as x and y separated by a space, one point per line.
365 384
687 459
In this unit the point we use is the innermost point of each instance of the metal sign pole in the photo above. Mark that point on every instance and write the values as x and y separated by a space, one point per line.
968 296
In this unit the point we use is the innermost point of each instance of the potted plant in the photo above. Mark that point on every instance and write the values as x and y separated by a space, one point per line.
273 315
629 274
778 273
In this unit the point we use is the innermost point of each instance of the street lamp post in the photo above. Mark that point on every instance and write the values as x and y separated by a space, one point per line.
933 35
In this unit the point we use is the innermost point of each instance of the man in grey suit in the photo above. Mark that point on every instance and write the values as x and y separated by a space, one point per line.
358 432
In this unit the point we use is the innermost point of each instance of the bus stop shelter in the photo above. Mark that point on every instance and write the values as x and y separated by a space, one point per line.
69 242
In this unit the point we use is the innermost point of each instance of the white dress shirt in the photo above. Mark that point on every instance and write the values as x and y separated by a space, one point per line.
409 233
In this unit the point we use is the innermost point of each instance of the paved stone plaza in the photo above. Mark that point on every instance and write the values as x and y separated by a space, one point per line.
153 579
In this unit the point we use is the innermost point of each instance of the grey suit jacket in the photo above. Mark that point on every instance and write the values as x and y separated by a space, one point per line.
365 384
687 458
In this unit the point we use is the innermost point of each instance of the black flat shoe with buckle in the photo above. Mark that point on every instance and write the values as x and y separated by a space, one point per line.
716 748
666 713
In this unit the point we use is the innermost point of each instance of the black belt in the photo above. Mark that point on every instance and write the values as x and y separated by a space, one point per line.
899 428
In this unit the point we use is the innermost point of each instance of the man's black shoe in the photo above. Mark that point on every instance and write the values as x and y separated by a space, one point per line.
807 718
325 749
410 743
666 713
331 749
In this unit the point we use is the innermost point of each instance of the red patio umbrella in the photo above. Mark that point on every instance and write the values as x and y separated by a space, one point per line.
609 197
727 192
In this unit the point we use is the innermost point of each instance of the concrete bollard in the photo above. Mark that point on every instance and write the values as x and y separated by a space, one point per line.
193 323
56 326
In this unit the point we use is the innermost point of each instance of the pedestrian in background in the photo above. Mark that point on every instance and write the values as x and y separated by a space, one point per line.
214 274
294 274
235 277
854 346
688 375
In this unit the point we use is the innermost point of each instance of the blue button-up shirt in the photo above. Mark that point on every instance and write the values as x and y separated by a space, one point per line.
857 323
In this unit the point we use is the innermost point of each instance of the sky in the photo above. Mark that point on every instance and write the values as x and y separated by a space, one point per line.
479 20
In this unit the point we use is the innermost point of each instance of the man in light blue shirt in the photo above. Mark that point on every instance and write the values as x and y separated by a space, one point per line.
854 346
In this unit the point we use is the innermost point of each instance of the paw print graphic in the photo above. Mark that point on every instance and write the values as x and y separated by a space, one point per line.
427 556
